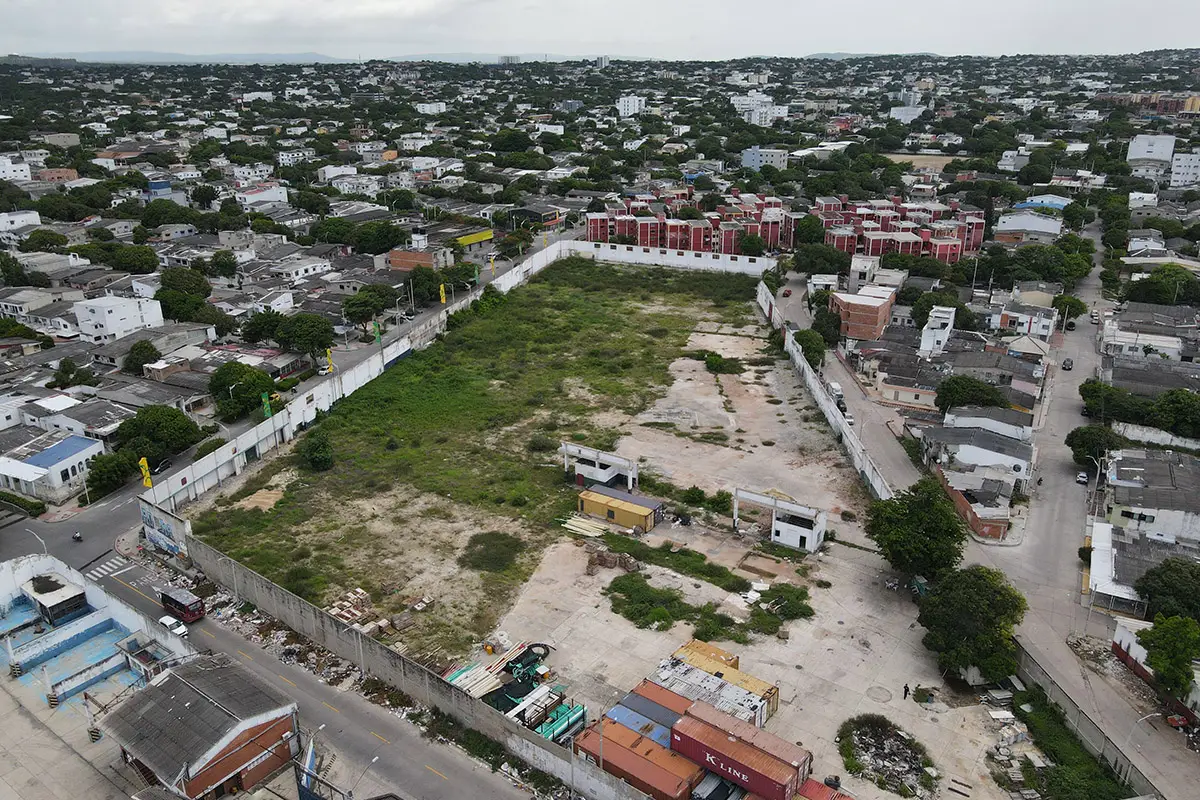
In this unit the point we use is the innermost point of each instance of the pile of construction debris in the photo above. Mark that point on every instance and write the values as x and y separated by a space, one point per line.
599 557
888 756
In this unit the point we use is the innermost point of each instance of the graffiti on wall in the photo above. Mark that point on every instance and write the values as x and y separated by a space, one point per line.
165 531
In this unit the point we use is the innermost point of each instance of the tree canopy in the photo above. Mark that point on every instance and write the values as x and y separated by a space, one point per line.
1090 442
157 431
1172 644
1068 306
238 388
812 344
305 333
1172 588
918 531
969 616
142 352
963 390
262 326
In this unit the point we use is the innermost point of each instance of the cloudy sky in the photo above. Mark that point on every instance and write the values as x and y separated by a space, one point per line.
668 29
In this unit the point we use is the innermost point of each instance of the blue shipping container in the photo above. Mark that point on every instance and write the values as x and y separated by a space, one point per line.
640 725
650 709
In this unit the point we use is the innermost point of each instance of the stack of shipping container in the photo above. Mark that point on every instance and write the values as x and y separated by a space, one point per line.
654 731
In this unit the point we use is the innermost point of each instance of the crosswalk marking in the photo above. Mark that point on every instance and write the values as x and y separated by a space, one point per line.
107 567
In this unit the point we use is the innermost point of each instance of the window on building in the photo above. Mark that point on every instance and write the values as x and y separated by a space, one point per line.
64 475
611 514
74 470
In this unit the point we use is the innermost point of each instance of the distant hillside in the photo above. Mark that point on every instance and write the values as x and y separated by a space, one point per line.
843 56
486 58
152 57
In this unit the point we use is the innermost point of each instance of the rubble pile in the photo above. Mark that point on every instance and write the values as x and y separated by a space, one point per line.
890 757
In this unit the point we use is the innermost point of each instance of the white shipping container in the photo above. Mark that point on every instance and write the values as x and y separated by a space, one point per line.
696 684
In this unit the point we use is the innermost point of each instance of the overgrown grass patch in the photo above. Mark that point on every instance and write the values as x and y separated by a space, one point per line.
474 417
1076 772
491 552
684 561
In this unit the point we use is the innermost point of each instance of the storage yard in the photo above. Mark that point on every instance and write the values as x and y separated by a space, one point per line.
853 657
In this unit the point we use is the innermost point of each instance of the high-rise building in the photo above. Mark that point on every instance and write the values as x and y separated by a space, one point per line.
510 60
601 62
630 105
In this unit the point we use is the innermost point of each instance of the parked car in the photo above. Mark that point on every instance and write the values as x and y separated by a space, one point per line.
1068 364
787 292
173 625
161 466
1070 324
326 370
849 418
1082 478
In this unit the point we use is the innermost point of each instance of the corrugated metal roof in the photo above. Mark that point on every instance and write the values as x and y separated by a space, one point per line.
187 710
716 740
648 503
639 724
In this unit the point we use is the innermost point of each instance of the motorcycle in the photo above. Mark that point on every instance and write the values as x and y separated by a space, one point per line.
77 536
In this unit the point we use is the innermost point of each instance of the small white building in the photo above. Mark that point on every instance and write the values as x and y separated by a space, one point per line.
50 466
630 105
261 193
330 171
290 158
11 220
436 107
1004 421
106 319
937 331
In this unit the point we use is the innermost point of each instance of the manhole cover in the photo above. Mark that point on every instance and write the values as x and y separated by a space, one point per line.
879 694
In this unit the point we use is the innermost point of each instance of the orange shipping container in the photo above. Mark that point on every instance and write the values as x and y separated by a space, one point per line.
664 697
641 774
652 751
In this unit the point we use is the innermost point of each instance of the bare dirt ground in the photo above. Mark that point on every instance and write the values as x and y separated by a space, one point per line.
758 430
918 161
853 657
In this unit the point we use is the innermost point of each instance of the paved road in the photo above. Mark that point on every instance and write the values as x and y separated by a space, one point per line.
871 419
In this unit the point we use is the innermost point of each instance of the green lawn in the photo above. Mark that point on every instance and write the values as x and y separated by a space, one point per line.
475 417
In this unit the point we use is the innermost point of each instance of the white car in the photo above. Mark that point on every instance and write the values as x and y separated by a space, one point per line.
174 626
849 418
1082 478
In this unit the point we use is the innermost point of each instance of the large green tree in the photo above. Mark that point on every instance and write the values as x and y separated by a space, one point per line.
812 344
1172 644
1068 306
809 230
751 244
109 471
963 390
262 327
918 531
135 259
156 431
1172 588
142 352
1090 442
238 388
188 281
305 333
203 195
43 240
969 616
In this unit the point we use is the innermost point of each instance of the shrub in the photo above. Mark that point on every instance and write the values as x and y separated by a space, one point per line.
720 503
34 508
541 443
491 552
286 385
316 450
207 447
693 496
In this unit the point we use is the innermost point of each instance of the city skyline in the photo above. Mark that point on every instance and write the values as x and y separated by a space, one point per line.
668 30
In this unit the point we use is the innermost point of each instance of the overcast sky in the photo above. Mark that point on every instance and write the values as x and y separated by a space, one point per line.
668 29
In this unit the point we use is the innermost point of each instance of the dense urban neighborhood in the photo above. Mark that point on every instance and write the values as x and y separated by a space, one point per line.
761 429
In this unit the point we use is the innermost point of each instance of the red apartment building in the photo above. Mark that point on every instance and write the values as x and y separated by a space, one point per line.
864 315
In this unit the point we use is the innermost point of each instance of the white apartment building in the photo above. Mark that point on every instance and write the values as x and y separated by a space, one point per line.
106 319
630 105
765 116
290 158
330 171
1185 169
261 193
10 220
13 170
1149 156
412 142
251 173
431 108
756 158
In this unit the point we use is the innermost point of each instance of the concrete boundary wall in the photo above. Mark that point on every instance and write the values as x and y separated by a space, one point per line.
1093 738
1141 433
854 447
423 685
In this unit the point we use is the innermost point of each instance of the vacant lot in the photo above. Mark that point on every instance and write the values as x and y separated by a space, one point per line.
853 657
919 161
458 439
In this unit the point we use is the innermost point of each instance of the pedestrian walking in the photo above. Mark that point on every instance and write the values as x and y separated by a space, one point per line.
906 691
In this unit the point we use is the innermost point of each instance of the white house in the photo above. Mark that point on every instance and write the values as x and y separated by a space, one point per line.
51 466
299 268
251 173
290 158
431 108
105 319
11 170
280 301
1150 155
978 447
936 331
261 193
330 171
1004 421
1185 169
11 220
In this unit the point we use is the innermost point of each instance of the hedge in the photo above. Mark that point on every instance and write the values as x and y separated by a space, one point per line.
34 508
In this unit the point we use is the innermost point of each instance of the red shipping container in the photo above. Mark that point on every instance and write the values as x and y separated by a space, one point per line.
731 758
664 697
637 771
754 736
